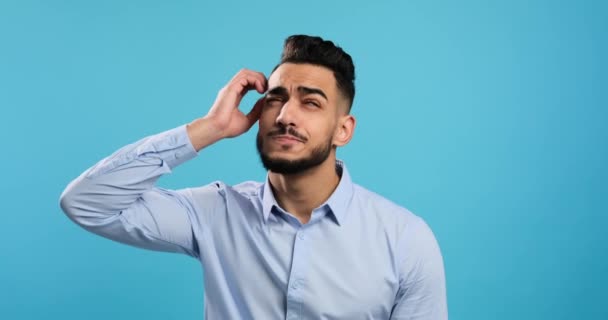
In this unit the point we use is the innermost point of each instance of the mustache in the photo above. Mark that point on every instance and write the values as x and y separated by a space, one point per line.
287 131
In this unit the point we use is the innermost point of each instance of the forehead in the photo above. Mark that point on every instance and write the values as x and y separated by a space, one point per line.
292 75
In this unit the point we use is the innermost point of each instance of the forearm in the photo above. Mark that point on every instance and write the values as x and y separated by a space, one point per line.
202 132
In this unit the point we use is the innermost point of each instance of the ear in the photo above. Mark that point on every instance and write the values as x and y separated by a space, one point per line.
345 130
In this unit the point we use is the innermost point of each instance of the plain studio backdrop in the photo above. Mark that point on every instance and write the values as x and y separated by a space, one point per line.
486 118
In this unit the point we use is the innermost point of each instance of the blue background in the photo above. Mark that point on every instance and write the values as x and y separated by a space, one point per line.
486 118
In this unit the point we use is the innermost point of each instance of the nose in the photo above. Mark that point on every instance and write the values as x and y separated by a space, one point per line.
287 115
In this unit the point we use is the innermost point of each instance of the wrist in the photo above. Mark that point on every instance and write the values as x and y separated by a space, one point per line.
203 132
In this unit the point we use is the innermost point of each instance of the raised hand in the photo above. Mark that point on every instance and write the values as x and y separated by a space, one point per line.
225 114
224 119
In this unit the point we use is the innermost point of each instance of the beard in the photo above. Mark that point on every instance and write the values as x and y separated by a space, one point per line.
284 166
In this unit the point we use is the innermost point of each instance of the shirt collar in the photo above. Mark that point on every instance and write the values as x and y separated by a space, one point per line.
337 202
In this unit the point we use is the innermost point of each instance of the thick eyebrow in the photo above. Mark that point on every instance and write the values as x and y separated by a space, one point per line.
282 91
307 90
278 91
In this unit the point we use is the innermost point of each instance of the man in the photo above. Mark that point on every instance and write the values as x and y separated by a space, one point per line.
307 243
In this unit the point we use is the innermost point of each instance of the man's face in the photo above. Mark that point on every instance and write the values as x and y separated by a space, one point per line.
299 118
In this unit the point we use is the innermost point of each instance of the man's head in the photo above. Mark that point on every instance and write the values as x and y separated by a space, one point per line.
306 112
302 49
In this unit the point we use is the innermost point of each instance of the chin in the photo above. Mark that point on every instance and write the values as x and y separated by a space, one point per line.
285 160
285 155
281 156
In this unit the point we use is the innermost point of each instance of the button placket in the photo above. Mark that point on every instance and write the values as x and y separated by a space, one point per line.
296 276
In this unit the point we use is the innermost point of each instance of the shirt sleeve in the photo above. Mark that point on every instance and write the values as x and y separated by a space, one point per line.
422 290
117 198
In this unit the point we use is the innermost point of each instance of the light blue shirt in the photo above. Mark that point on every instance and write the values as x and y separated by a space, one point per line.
359 257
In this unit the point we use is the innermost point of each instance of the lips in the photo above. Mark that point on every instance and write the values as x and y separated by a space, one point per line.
286 133
286 139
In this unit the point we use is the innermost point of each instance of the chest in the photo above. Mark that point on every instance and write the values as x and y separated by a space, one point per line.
320 272
346 276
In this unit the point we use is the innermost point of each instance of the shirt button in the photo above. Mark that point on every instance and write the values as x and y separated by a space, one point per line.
296 284
301 235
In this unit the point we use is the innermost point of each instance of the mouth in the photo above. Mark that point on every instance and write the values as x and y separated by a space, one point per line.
286 139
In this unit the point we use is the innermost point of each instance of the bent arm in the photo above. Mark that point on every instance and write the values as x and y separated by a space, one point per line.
117 197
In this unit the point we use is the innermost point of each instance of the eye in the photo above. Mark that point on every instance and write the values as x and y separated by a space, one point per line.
312 103
273 100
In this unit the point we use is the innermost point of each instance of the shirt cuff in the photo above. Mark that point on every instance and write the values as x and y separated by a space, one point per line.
173 146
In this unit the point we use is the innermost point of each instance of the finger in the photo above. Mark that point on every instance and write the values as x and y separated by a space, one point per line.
262 83
239 74
257 74
260 79
244 83
255 112
260 86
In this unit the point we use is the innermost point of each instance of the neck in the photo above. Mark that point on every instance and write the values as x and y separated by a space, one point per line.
301 193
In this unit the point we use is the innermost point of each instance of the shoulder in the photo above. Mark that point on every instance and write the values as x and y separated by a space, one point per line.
389 212
247 189
405 227
218 196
